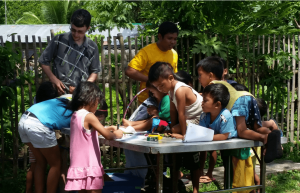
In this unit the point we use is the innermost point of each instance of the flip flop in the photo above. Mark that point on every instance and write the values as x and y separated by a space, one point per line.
207 180
279 148
272 151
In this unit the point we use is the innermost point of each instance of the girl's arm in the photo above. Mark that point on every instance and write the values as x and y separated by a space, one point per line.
173 115
220 137
181 101
91 121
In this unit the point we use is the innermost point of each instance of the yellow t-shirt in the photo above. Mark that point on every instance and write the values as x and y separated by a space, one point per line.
148 56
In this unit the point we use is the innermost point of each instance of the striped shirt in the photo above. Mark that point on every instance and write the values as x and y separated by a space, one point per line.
71 63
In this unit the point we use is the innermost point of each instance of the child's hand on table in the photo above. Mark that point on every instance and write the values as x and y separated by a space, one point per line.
118 133
176 135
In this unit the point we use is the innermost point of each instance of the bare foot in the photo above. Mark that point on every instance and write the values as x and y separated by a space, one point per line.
125 122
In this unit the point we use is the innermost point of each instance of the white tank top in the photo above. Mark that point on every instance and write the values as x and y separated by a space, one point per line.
193 111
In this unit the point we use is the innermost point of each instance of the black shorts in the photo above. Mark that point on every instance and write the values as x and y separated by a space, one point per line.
190 161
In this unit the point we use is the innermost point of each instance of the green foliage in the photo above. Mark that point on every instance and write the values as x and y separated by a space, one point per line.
15 10
110 14
51 12
209 46
12 185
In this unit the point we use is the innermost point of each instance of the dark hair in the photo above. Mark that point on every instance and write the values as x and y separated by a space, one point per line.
81 18
45 92
212 64
149 85
239 87
160 69
85 93
262 106
218 92
103 109
184 77
223 63
167 27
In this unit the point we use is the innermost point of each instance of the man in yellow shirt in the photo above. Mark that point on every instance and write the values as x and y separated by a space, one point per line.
161 51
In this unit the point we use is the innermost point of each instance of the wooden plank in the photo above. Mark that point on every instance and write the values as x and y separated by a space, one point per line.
123 73
142 41
288 96
25 147
282 106
253 70
187 55
278 50
117 91
137 83
36 73
237 60
102 64
130 80
110 83
293 92
263 52
147 42
2 140
248 63
41 51
27 69
116 78
152 39
272 96
182 55
257 69
14 128
298 94
268 102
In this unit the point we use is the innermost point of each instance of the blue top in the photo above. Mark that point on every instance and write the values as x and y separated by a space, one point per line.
224 123
231 81
247 107
52 113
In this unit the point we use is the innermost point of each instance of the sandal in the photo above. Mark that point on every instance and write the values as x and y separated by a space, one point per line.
272 150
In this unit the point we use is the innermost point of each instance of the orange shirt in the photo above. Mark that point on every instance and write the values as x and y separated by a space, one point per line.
148 56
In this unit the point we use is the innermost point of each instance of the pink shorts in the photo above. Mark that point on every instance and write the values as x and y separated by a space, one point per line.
88 183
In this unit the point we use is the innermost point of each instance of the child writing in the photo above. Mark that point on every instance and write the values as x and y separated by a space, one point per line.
185 108
219 119
160 116
85 173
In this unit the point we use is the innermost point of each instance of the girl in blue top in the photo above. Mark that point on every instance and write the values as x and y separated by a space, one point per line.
36 129
216 117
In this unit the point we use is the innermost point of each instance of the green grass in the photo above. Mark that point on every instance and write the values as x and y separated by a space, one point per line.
287 182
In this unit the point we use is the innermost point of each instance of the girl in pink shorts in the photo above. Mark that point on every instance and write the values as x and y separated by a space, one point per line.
85 173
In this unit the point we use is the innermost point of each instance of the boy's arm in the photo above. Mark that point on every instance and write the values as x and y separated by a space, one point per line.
181 101
136 65
220 137
173 115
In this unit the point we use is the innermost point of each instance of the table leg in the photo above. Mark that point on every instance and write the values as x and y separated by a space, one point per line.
174 174
227 180
262 171
159 173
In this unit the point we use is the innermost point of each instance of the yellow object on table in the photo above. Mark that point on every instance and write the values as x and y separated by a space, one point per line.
159 137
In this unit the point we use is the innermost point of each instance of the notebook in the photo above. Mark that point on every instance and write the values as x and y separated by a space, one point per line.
196 133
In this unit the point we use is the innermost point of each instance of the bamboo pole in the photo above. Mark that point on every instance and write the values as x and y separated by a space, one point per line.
110 83
272 95
137 82
182 55
130 80
187 55
268 111
237 60
117 92
282 107
257 70
102 64
288 96
27 68
278 50
298 95
36 73
123 73
253 69
41 50
293 92
248 63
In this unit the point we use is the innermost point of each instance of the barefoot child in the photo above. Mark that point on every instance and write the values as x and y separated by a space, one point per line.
86 171
219 119
185 108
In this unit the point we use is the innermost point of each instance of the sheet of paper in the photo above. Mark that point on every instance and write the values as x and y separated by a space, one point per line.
196 133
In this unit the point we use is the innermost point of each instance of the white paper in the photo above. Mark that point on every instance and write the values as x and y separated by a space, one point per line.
128 129
195 133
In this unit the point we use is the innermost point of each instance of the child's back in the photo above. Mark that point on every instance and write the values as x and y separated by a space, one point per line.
193 111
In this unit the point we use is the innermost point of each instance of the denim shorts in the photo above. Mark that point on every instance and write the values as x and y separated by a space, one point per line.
32 131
